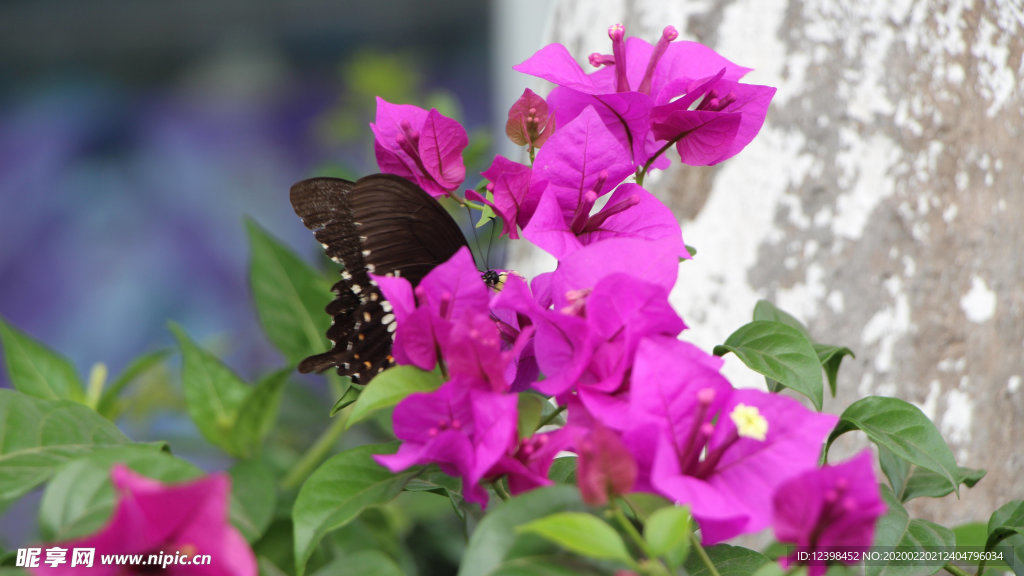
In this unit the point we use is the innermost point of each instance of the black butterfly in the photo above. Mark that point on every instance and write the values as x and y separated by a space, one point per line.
381 224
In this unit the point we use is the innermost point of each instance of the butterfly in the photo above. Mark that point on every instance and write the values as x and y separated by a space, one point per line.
380 224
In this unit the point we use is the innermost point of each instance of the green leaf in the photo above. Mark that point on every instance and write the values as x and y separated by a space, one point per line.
728 561
897 529
362 562
390 387
253 498
563 470
668 531
39 436
775 569
338 491
80 498
290 297
213 393
348 397
779 352
496 545
925 483
896 469
530 410
829 356
36 370
765 310
971 534
546 565
1005 522
645 504
107 405
581 533
909 482
268 568
902 429
258 412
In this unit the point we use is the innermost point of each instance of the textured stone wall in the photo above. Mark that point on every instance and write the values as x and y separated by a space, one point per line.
883 202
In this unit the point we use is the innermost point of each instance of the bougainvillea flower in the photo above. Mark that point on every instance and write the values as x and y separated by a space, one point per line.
526 467
424 315
586 346
719 450
465 430
626 115
606 467
474 353
419 145
829 508
656 261
638 77
631 212
726 118
580 163
514 200
582 157
154 518
511 310
529 123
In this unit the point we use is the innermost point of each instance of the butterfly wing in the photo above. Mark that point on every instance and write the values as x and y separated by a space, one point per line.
382 224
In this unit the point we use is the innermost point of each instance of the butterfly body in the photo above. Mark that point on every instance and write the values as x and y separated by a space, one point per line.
381 224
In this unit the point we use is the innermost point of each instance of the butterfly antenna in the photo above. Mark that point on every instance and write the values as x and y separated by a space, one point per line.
490 242
476 239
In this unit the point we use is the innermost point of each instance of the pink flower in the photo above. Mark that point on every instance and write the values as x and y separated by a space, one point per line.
419 145
829 508
652 97
720 450
154 518
462 429
529 123
425 314
606 467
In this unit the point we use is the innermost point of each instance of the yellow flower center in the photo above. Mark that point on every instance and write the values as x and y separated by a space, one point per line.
749 422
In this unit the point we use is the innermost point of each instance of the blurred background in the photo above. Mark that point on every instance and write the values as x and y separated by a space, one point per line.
135 137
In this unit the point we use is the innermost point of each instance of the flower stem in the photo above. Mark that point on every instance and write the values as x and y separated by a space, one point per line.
94 389
631 531
316 453
500 490
551 417
957 571
703 555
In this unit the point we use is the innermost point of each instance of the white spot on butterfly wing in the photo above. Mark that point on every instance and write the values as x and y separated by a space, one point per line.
386 306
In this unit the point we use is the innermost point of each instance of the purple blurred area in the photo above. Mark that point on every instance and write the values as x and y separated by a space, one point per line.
135 138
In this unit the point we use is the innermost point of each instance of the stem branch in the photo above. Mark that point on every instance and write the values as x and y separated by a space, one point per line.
316 453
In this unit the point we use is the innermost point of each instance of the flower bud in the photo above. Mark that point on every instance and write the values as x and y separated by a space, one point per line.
528 121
